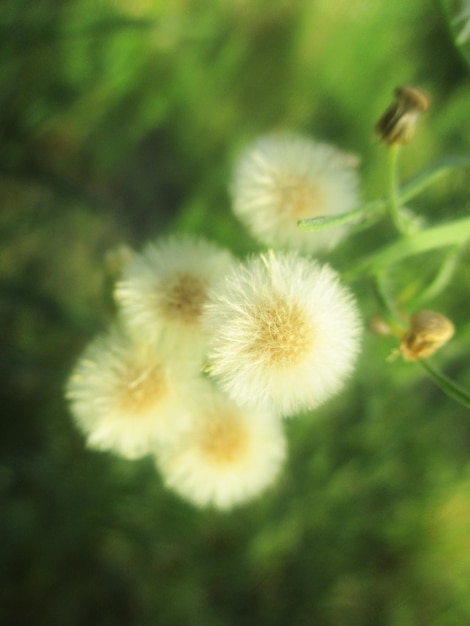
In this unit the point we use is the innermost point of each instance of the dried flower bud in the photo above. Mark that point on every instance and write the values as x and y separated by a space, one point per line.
397 124
427 333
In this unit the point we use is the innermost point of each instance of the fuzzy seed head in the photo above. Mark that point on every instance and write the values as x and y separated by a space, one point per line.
281 179
162 292
227 456
124 397
283 333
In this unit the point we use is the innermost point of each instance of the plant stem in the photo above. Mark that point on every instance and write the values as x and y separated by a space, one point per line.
387 305
442 278
364 212
430 175
393 191
452 233
448 386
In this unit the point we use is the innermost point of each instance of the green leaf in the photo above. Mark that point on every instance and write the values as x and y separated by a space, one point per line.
457 14
325 221
409 190
442 279
453 233
430 175
448 386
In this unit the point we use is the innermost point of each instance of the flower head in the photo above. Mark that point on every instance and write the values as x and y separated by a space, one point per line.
284 333
281 179
164 288
227 457
124 397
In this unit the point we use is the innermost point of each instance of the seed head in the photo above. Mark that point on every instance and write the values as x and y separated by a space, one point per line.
124 396
227 456
283 333
280 179
163 289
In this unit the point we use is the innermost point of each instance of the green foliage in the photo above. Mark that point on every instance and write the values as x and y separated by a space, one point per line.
120 121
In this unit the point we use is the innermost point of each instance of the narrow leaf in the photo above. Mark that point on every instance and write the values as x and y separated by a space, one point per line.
325 221
451 234
430 175
448 386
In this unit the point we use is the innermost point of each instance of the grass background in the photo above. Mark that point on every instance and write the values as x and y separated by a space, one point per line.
120 120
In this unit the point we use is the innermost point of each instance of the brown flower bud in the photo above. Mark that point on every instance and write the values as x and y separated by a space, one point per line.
427 333
397 124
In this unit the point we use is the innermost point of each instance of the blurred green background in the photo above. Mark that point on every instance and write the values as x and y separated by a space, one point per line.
119 121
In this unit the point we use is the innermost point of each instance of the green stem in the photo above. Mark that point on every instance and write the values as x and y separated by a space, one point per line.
367 214
448 386
393 192
363 213
454 233
385 301
431 175
442 278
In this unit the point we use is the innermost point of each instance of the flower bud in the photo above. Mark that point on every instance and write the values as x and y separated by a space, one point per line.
397 124
427 333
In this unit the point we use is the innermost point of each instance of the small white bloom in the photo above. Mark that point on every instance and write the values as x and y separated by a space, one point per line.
284 333
163 290
227 457
125 398
281 179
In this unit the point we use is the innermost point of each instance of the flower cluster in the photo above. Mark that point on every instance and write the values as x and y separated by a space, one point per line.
209 353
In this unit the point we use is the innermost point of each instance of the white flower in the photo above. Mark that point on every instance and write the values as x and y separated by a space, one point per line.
227 457
164 288
284 333
125 398
281 179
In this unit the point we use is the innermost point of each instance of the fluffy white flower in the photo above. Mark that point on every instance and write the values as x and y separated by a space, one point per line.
284 333
281 179
163 290
125 398
227 457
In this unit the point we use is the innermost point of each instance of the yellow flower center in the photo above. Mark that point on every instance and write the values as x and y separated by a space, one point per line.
141 389
298 196
224 440
282 334
182 297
